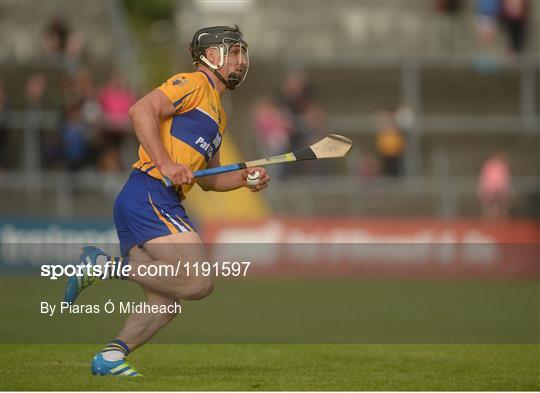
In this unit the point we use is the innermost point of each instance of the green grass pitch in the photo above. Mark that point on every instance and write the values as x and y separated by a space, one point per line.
279 367
370 335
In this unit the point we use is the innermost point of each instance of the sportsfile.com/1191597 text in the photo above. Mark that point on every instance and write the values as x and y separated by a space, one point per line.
188 269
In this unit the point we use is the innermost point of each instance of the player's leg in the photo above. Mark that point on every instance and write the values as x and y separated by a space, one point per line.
138 329
173 251
164 290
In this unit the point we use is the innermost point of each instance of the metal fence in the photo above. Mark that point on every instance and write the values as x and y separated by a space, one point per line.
305 194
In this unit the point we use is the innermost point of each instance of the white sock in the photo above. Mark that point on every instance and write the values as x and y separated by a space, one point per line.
113 356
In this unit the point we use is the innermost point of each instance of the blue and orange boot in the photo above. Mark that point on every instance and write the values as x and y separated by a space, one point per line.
100 366
76 283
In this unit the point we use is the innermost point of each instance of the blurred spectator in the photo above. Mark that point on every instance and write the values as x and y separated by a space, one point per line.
110 160
369 167
314 121
294 97
272 126
447 25
295 94
304 117
75 138
83 89
486 21
36 86
494 187
390 143
56 38
115 99
63 47
514 18
74 52
291 122
35 141
310 128
448 6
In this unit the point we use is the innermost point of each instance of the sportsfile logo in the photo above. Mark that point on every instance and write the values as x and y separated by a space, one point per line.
100 271
114 269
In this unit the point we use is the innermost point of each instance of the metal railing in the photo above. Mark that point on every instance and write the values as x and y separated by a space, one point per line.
301 195
32 178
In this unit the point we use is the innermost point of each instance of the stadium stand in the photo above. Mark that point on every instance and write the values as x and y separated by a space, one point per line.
358 60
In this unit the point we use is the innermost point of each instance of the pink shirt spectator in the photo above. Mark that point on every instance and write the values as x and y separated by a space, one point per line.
272 125
494 179
115 102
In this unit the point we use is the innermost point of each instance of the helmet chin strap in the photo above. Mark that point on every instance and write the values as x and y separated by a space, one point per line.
232 80
230 83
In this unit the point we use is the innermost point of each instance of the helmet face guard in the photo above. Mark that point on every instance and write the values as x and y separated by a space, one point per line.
232 50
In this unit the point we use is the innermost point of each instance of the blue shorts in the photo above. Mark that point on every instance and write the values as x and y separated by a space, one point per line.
146 209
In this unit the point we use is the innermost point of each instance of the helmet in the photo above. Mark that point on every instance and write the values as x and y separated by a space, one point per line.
223 38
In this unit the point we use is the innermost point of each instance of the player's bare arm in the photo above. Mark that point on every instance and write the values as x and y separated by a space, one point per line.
145 115
232 180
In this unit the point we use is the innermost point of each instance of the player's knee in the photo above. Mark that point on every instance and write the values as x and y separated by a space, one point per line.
203 288
199 289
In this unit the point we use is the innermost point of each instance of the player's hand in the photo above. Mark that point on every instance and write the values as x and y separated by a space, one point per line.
178 173
264 178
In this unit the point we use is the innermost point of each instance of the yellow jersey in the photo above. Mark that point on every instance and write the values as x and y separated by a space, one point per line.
192 136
